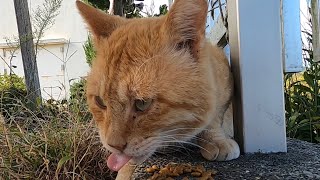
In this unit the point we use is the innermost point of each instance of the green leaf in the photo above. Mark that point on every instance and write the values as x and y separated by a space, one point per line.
61 162
309 78
316 118
293 120
303 88
304 122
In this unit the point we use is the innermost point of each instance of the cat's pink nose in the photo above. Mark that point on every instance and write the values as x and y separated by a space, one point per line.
119 147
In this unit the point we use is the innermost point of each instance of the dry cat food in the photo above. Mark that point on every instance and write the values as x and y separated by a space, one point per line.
183 171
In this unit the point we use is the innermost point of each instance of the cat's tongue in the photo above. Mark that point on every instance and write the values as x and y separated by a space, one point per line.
116 161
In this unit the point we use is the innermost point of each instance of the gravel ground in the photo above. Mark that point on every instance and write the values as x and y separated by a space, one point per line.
301 162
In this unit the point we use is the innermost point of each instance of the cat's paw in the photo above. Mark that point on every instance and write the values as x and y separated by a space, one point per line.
220 150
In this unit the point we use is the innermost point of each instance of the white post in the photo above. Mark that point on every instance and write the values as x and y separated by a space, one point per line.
256 60
315 15
170 2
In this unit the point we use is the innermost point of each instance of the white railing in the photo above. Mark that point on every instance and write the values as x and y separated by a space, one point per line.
265 40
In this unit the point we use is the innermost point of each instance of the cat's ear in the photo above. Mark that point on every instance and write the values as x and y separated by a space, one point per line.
100 24
186 23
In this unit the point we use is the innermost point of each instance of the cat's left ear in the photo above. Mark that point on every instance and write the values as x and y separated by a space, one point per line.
185 23
100 24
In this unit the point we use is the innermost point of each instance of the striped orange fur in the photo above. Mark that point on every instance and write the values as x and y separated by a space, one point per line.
168 61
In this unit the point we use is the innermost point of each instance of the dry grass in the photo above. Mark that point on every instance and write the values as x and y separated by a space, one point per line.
59 145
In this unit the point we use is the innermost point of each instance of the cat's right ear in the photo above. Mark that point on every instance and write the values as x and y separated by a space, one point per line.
100 24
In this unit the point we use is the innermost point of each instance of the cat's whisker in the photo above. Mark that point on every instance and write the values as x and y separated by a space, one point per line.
179 146
190 143
173 148
179 129
167 140
161 145
191 137
187 135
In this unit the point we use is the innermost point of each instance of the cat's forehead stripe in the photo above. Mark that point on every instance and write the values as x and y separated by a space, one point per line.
115 59
122 92
101 88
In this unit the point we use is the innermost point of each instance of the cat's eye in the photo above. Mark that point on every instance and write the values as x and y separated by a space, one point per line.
100 102
142 105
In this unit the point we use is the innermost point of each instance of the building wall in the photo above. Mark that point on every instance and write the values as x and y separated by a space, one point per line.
62 48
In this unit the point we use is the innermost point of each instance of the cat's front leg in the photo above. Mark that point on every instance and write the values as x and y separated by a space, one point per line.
216 145
125 173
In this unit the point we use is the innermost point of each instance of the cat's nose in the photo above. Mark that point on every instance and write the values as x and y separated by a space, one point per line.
119 147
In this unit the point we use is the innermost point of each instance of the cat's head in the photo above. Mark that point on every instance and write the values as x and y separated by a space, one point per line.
146 86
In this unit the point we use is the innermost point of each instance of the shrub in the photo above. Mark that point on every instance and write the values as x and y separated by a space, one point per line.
78 102
55 148
10 82
55 141
12 93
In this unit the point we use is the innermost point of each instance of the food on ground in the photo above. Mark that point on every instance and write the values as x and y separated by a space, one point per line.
183 171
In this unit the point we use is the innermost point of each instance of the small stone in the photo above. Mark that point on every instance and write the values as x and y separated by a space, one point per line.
214 171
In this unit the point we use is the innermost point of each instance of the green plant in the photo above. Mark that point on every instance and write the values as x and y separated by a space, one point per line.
11 81
163 9
53 147
101 4
78 102
12 92
57 140
89 50
302 99
44 18
131 11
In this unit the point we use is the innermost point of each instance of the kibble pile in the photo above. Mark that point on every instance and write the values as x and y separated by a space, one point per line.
183 171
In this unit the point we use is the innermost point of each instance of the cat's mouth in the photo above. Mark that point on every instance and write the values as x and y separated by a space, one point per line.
116 161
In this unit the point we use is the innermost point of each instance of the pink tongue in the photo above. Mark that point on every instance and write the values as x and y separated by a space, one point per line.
117 161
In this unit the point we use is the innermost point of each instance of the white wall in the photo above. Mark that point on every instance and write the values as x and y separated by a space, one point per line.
68 27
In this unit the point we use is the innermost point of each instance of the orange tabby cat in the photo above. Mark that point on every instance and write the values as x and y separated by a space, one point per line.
157 81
